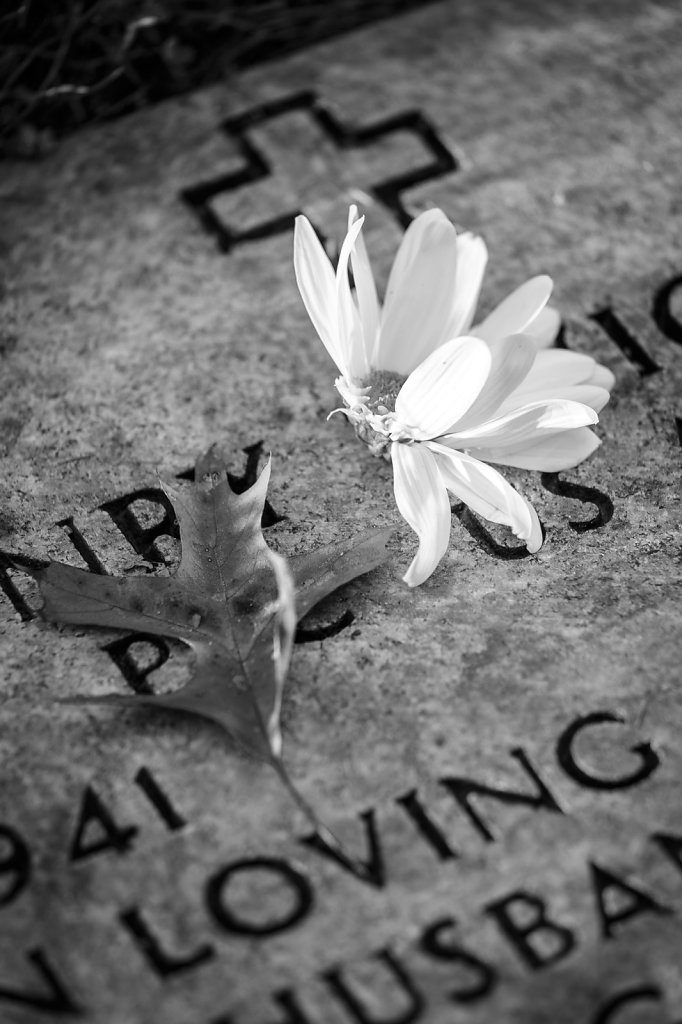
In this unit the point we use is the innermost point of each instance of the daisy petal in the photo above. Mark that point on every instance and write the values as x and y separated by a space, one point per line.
486 492
512 359
555 373
472 256
516 311
418 299
423 502
544 327
556 368
315 279
587 394
350 334
525 425
365 288
550 455
443 387
602 377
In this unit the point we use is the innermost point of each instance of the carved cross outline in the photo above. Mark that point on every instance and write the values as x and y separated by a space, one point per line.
343 135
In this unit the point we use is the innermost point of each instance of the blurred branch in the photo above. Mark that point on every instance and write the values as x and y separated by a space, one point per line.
67 62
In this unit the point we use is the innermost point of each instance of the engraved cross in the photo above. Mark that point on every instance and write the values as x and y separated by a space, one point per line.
429 158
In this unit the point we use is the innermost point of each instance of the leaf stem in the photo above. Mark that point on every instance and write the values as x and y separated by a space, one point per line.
307 809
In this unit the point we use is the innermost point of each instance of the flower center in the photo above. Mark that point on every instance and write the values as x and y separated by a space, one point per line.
384 385
371 410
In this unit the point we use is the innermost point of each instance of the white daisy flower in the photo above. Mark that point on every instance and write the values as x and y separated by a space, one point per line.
442 399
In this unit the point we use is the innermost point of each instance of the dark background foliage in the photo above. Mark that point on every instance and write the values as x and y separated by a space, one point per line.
66 62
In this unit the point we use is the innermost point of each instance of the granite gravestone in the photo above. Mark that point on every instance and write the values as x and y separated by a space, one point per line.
498 751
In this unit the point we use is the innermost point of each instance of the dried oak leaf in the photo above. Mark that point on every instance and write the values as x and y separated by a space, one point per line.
232 600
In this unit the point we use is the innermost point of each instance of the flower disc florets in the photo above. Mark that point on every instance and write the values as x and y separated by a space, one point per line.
371 410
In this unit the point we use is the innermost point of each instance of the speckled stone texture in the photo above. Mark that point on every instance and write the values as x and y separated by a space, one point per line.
130 343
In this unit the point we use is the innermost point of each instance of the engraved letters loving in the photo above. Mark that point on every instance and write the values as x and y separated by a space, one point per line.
284 885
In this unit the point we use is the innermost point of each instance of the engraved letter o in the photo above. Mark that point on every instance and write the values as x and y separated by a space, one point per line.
665 319
606 1014
237 921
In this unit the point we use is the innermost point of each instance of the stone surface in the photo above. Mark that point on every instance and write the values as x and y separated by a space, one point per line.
130 342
